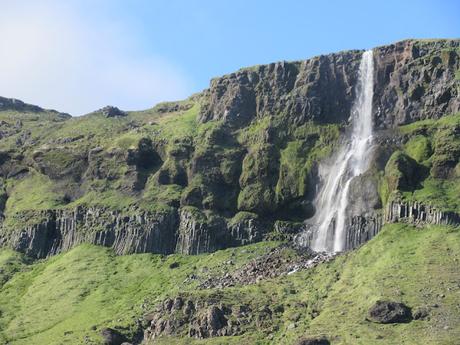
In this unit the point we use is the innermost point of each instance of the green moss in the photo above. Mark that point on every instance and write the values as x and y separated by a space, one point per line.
419 148
157 197
11 262
34 192
241 217
294 170
258 179
443 194
128 141
175 126
255 132
106 198
401 172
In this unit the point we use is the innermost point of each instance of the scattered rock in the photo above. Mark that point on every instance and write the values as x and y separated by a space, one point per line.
390 312
270 265
174 265
421 313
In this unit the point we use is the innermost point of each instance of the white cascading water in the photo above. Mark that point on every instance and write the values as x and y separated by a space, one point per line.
351 161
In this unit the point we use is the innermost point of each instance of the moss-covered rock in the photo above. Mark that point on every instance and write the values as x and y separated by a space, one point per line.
258 179
401 172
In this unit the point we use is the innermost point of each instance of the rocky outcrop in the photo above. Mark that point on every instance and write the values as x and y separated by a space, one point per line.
389 312
319 89
56 231
417 213
361 229
203 319
200 233
20 106
415 80
228 182
112 337
111 111
187 231
313 341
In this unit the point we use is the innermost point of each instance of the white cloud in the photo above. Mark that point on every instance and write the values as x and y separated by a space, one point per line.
53 56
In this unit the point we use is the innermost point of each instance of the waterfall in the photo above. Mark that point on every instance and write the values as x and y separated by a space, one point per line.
350 161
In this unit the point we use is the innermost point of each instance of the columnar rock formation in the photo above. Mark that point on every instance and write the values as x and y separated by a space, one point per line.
127 232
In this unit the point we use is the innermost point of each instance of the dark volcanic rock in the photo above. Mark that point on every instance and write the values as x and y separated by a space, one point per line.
187 231
20 106
201 319
111 111
415 80
252 170
131 231
112 337
390 312
313 341
418 214
320 89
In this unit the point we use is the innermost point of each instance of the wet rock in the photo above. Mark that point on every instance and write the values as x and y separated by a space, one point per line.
390 312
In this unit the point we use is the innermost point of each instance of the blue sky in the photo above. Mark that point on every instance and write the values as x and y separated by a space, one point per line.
78 56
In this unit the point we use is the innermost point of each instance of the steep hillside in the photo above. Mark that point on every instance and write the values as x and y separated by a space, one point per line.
233 163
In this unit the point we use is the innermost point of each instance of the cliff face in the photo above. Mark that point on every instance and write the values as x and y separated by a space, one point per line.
127 232
414 80
319 89
236 163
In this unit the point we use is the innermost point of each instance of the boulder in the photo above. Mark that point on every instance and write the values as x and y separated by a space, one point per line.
313 341
389 312
421 313
112 337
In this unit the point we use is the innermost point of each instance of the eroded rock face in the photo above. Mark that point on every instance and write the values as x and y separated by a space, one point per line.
419 214
186 231
126 232
390 312
414 80
317 89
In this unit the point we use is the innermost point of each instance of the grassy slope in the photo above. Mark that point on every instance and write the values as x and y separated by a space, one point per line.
92 287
